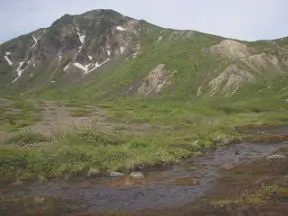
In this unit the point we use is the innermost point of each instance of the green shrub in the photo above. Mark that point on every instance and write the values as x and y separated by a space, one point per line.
138 144
93 138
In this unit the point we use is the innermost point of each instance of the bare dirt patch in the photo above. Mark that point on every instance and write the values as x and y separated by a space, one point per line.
58 119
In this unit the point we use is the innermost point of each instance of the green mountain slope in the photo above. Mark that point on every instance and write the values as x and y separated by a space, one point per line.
187 65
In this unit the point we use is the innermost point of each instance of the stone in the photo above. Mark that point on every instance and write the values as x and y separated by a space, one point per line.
67 177
92 172
228 166
116 174
137 175
18 183
276 157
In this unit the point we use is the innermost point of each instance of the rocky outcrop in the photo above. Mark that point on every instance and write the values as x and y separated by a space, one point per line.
231 49
230 80
156 80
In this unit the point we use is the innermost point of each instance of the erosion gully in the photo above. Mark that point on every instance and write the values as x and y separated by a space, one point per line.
161 188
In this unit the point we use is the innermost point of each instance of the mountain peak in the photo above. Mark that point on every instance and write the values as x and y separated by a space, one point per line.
75 47
77 44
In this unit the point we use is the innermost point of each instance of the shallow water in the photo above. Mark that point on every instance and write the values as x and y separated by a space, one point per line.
174 186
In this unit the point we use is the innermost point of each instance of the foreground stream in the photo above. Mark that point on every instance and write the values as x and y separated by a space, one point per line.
168 187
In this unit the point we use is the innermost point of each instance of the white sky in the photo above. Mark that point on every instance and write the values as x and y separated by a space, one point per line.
241 19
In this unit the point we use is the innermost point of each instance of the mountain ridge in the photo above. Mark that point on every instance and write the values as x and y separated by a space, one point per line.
75 46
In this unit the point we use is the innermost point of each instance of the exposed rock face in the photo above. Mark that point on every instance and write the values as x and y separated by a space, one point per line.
155 81
239 51
246 64
230 80
262 61
231 49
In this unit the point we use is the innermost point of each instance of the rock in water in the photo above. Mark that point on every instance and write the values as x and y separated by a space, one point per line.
92 172
276 157
116 174
137 175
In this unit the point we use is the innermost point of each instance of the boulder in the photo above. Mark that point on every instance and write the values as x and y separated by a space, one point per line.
116 174
18 183
276 157
137 175
92 172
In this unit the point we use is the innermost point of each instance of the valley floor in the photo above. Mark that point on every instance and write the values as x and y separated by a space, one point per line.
48 141
252 181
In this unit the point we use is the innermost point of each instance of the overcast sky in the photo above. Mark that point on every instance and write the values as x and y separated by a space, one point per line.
241 19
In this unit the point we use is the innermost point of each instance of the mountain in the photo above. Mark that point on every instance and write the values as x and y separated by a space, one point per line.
102 92
109 54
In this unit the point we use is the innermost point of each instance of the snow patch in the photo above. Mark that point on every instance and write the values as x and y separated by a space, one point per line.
15 79
8 60
67 67
107 60
19 70
60 56
199 91
90 57
97 65
159 39
108 52
85 68
120 28
35 42
122 49
82 67
82 38
7 53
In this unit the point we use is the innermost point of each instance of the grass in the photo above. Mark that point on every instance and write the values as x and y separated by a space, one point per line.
81 112
77 151
257 198
20 113
176 131
25 138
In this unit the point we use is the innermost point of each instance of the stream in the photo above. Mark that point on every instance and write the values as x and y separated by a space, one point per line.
160 188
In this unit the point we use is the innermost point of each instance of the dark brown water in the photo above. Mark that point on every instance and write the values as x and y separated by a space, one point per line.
175 186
